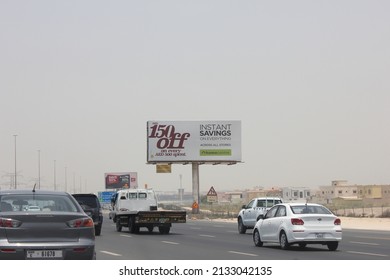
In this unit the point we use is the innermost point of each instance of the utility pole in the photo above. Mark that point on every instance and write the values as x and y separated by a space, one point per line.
16 182
39 169
55 175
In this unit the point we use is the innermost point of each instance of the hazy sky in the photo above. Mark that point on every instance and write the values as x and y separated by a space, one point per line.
309 81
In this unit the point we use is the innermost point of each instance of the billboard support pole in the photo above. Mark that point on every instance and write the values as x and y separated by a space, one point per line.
195 187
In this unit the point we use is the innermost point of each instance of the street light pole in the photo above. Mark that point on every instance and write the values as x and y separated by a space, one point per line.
16 184
54 174
66 180
39 169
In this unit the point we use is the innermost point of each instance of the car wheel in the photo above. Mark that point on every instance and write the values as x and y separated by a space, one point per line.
257 239
332 246
302 245
118 225
98 230
241 227
284 241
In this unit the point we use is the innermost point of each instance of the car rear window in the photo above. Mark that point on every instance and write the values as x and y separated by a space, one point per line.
90 201
310 209
268 202
36 202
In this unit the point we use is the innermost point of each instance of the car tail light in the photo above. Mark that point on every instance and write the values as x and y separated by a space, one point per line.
6 250
9 223
83 222
297 222
79 250
337 222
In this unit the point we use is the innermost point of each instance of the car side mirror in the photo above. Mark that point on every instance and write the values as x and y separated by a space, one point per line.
243 206
260 217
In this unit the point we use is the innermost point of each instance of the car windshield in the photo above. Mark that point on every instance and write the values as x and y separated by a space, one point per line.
310 209
36 202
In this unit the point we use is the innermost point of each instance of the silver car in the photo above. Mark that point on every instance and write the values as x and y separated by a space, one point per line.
58 230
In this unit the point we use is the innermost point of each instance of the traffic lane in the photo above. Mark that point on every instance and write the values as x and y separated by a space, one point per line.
213 240
362 244
182 243
375 244
204 244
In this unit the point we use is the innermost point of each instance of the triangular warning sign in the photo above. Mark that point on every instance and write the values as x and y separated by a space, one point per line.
212 192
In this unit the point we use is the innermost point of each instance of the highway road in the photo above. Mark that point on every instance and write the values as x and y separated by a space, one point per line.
212 240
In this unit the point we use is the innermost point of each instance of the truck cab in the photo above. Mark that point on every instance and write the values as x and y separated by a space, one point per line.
253 211
135 200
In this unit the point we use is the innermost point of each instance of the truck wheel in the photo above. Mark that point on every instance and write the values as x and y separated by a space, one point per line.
164 230
118 225
241 227
133 228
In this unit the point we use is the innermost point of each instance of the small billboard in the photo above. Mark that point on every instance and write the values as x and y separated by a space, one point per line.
120 180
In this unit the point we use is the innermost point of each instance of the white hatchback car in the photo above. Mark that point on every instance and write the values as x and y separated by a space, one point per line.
298 223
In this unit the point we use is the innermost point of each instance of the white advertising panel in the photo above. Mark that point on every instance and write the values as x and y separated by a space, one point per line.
187 141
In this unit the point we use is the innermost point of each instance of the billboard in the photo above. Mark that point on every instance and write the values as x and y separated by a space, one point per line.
119 180
187 141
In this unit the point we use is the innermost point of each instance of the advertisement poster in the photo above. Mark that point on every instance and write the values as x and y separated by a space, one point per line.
202 141
119 180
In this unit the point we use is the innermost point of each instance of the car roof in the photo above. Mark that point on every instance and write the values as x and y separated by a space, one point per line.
30 191
299 204
268 197
84 194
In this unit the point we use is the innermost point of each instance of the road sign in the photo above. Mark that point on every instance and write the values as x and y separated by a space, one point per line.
212 195
163 168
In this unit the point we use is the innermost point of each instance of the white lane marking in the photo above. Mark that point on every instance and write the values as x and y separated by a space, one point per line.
110 253
125 235
206 235
241 253
376 238
364 243
364 253
170 242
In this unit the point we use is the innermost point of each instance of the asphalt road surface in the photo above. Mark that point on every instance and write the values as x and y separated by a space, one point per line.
212 240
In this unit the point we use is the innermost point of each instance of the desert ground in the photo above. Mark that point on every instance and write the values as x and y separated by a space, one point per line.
348 223
366 223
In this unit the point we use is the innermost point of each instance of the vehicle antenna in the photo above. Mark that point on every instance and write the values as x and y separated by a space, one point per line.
34 188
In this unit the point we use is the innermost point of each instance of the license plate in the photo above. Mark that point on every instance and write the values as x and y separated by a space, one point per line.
319 235
44 254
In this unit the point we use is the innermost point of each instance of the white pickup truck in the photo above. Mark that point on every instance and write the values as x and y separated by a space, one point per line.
136 208
255 209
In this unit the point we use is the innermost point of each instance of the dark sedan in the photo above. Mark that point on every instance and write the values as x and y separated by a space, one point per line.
37 224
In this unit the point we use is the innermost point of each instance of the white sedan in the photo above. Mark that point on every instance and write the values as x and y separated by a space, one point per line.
298 223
